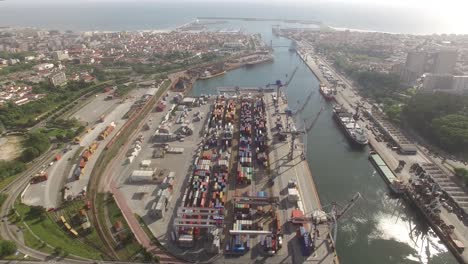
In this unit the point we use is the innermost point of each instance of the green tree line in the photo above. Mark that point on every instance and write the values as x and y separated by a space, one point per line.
441 118
22 116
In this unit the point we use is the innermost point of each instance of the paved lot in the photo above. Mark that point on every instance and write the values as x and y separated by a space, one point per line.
48 193
140 197
92 111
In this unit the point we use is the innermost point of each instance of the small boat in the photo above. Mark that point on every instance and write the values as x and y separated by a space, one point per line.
327 93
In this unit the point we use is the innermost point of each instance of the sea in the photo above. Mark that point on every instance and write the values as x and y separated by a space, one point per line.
87 15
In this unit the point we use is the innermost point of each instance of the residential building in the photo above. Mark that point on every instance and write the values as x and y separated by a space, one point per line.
444 62
433 82
416 61
460 84
58 79
60 55
43 66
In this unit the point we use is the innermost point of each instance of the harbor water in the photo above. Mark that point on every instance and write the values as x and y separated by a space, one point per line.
380 228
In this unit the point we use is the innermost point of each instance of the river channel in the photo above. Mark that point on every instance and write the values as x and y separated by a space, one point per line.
380 228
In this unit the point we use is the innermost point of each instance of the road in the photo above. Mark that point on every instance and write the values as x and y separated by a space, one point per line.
13 190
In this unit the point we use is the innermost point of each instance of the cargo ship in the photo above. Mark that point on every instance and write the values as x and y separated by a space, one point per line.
209 75
395 185
259 60
347 122
327 93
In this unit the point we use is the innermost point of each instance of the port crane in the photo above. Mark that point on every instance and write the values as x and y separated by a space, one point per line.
279 84
294 132
336 213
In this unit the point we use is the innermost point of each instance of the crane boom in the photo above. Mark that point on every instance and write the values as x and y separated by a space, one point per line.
302 107
291 76
315 120
337 213
348 206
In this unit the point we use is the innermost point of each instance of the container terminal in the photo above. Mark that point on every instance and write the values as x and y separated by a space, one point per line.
248 194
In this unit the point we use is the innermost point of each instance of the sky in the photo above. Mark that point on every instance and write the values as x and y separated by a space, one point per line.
430 4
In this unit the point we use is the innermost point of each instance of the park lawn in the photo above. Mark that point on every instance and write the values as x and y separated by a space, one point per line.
31 241
53 234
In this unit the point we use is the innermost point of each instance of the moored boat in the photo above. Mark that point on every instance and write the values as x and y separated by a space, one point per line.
209 75
327 93
353 131
395 185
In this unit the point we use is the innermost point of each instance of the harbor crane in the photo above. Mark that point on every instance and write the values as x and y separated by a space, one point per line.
336 213
279 84
294 132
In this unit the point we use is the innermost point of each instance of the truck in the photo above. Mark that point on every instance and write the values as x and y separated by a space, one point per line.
269 244
107 131
293 192
39 177
305 239
174 150
161 106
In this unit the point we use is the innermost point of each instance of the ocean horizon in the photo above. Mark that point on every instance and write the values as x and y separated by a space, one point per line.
123 16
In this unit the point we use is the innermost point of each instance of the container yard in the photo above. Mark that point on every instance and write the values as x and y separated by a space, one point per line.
232 204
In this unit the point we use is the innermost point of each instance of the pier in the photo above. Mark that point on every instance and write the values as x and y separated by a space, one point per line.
300 21
284 170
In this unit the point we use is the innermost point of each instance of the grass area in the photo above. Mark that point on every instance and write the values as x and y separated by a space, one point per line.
5 181
128 248
45 226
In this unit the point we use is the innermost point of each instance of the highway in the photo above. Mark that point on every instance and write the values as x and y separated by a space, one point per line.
13 190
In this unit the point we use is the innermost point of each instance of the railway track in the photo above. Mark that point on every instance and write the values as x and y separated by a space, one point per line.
102 233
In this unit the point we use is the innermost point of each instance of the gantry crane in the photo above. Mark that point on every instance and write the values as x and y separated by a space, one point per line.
294 132
279 84
337 211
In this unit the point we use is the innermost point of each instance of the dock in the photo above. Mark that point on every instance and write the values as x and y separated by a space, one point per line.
283 170
300 21
298 170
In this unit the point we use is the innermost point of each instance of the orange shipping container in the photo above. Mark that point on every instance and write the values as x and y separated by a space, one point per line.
86 155
82 163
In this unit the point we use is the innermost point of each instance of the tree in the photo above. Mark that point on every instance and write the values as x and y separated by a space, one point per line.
30 154
36 212
57 251
451 131
462 173
7 248
441 118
